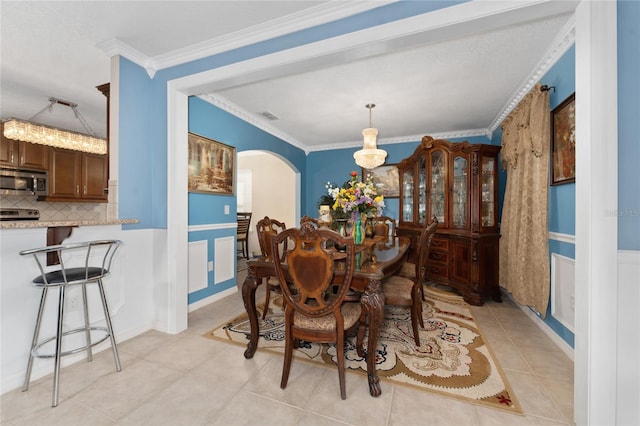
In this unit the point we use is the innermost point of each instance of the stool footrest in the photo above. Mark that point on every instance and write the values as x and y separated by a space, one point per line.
35 352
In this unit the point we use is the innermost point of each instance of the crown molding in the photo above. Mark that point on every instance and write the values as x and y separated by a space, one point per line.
388 32
233 109
318 15
115 47
565 39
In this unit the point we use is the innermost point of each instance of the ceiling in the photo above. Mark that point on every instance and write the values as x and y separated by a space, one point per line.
444 78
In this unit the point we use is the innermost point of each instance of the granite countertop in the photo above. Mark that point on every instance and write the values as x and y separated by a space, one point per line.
23 224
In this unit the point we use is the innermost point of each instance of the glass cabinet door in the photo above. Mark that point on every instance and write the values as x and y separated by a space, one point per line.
407 193
487 191
460 196
422 190
438 185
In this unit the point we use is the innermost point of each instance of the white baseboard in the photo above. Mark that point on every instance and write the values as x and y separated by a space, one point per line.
213 298
560 343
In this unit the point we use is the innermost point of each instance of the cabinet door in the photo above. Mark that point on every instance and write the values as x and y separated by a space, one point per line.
94 176
8 152
34 156
422 191
460 193
488 191
438 190
407 194
64 176
460 252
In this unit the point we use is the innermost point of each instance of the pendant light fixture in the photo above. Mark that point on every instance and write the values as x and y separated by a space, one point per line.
28 131
370 157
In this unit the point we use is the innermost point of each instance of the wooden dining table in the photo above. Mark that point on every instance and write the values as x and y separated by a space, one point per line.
374 261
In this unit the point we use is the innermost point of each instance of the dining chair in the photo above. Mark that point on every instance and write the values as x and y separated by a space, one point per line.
315 312
384 226
402 291
313 220
265 229
408 269
244 221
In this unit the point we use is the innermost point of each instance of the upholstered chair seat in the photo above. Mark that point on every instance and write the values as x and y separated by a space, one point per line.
350 312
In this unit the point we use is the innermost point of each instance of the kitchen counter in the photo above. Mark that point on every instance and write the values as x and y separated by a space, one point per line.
24 224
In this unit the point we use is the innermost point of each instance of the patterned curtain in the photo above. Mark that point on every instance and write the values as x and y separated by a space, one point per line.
524 245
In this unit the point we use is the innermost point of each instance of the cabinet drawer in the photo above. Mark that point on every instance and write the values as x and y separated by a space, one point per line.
440 243
436 256
437 271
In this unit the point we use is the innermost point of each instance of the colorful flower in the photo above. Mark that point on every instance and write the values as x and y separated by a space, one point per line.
355 197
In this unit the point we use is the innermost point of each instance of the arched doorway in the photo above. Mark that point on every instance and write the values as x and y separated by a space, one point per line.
274 197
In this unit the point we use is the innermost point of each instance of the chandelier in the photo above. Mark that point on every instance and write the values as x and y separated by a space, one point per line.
370 156
28 131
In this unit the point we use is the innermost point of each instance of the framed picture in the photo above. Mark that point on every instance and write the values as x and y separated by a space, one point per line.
385 178
563 142
212 166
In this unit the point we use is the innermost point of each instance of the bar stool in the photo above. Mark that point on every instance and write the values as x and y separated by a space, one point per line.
63 277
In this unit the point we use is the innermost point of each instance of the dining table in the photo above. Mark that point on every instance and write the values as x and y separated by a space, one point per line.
376 259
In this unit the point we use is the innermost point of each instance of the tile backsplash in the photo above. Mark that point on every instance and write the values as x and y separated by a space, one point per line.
57 211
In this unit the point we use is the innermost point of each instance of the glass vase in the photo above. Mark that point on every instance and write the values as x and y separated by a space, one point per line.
341 228
359 231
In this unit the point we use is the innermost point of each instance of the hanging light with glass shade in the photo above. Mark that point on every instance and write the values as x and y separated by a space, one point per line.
370 156
28 131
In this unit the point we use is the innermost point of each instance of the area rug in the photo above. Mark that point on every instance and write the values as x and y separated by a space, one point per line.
453 359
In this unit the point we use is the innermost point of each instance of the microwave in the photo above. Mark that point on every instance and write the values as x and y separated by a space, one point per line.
24 182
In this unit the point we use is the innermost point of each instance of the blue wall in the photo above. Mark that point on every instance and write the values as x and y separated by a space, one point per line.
208 209
628 125
562 198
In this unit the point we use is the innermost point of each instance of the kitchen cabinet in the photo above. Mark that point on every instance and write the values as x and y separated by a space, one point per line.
25 155
457 184
77 176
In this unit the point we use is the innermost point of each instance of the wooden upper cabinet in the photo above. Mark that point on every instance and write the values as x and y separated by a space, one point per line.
77 176
64 179
18 154
94 176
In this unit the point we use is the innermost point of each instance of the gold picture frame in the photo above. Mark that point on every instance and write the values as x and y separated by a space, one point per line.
386 178
563 142
212 166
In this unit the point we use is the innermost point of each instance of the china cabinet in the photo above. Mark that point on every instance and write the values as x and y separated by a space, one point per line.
455 182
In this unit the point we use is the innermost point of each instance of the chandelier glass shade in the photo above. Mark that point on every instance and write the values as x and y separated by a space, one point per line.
44 135
370 156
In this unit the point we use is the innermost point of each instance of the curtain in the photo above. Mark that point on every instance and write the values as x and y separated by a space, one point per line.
524 244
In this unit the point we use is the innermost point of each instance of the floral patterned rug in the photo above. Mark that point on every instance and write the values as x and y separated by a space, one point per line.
453 359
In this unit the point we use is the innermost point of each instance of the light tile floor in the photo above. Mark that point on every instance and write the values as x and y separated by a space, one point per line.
187 379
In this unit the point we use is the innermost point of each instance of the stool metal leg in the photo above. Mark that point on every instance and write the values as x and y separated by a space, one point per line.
107 317
56 370
86 322
36 334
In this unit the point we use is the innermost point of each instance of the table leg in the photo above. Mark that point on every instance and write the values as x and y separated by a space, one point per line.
249 298
373 303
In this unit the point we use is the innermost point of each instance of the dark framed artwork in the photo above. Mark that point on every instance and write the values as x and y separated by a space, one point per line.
563 142
212 166
385 178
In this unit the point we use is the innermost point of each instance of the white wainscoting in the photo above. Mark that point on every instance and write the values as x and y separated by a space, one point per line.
198 265
224 268
563 285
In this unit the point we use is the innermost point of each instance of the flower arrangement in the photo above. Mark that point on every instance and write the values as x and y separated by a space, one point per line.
355 197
